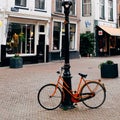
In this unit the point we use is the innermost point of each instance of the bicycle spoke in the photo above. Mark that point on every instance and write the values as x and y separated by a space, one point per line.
49 97
98 93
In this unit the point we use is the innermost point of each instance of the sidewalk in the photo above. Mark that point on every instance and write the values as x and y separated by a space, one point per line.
19 87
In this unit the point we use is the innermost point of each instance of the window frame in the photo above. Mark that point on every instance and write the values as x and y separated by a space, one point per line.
20 5
102 9
110 9
59 3
39 8
23 43
86 8
73 13
62 33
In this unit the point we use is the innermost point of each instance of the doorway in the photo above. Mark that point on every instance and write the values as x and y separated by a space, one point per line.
41 48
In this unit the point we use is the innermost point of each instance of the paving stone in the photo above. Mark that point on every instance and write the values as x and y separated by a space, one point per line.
19 88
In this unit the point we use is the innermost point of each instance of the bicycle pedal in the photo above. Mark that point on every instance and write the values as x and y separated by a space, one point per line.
75 104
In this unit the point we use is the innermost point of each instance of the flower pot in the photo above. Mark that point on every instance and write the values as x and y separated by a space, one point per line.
16 62
109 71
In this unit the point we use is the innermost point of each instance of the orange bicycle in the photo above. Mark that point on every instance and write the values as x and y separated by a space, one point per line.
91 93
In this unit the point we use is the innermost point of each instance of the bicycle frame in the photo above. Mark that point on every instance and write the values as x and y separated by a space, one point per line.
86 89
74 94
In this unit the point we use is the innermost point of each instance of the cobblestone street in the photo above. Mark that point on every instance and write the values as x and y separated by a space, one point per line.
19 88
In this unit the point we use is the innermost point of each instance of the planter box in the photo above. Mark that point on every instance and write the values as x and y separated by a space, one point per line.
109 71
16 62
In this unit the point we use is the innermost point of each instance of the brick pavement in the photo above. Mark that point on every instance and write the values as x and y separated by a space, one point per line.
19 87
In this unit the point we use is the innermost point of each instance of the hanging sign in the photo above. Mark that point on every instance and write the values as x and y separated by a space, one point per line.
100 32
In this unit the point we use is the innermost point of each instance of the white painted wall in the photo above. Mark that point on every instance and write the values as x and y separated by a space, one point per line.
95 16
5 12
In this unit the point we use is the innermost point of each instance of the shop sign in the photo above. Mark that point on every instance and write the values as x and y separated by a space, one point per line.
100 32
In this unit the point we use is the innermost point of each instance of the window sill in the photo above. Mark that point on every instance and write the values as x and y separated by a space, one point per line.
40 10
86 15
20 7
110 19
61 13
102 18
60 51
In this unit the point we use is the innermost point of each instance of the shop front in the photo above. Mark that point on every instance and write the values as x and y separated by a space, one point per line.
27 38
107 41
58 40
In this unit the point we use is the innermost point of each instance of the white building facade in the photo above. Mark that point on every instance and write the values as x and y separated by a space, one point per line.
34 29
24 29
100 17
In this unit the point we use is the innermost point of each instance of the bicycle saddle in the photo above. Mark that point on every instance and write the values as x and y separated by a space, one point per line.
83 75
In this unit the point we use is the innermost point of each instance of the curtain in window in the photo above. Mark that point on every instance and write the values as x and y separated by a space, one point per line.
86 7
58 5
101 8
20 3
110 9
40 4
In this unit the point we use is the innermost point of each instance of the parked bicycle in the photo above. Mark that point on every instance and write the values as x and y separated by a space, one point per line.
91 93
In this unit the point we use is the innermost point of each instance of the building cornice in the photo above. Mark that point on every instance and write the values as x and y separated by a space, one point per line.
27 16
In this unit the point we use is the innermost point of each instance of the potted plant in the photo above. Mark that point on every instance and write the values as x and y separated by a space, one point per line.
109 69
16 61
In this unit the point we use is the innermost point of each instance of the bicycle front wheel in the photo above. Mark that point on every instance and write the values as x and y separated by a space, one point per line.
99 94
50 97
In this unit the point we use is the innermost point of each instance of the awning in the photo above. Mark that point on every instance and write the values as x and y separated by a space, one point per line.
110 30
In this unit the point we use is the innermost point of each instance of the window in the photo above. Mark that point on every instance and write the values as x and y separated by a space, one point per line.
59 7
42 28
110 10
101 9
59 36
72 9
72 36
21 3
56 36
86 8
40 4
20 38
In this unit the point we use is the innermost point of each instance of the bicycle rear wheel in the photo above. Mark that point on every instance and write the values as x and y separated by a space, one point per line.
45 98
99 94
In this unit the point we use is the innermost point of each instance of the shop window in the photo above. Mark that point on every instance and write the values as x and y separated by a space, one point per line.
86 10
112 42
58 38
20 3
20 39
56 35
103 45
72 36
40 4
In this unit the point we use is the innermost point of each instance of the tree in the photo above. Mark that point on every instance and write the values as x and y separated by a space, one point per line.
86 44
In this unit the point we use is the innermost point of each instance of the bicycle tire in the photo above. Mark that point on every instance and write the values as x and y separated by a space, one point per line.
99 97
47 102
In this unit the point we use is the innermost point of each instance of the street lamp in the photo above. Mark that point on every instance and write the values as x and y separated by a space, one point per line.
67 103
